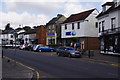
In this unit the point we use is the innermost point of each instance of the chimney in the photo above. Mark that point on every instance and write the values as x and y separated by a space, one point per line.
58 15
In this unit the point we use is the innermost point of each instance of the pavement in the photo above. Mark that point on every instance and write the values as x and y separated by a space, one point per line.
13 71
105 58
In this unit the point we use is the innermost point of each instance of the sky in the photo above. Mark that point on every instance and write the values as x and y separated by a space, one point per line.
20 13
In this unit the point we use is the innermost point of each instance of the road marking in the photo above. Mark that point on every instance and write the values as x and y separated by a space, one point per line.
24 66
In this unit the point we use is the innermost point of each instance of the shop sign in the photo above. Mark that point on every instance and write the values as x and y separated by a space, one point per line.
50 34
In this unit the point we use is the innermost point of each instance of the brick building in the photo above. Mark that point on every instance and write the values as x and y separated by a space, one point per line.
41 35
81 30
36 36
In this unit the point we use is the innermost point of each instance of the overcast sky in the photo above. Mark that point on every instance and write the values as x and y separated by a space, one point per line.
39 12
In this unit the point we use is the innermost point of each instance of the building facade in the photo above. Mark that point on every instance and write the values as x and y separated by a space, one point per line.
109 28
81 30
7 37
54 30
36 36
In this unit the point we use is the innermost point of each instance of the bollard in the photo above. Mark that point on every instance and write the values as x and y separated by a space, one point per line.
90 53
2 53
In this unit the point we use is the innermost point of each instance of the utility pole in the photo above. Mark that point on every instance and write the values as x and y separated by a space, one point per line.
15 35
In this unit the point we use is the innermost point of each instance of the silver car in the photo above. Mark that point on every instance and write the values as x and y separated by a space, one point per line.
67 51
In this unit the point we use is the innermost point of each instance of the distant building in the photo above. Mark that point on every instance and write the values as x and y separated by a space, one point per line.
0 37
81 30
7 37
54 30
36 36
109 27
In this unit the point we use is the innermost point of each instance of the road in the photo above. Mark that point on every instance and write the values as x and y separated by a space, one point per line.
51 66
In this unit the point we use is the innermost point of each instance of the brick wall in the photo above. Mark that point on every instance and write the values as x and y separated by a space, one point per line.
91 43
41 35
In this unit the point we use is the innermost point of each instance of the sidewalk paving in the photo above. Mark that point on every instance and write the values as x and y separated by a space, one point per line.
103 57
14 71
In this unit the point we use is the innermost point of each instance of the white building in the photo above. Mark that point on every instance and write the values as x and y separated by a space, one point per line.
82 30
7 37
109 27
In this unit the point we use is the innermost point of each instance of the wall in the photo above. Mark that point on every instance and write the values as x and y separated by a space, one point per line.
107 19
91 43
41 35
87 28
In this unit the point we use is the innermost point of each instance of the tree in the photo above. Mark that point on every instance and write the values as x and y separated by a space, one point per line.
7 27
26 28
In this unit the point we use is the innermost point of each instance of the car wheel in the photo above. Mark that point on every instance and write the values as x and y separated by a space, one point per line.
58 54
69 55
40 50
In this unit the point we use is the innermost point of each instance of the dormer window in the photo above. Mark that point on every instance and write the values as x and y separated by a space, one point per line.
104 8
115 3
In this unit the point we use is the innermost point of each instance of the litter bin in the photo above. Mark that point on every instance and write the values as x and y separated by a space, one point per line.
90 53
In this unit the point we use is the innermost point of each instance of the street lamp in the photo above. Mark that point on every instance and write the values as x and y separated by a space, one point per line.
15 35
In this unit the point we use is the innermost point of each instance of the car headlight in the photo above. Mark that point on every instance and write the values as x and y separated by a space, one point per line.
72 53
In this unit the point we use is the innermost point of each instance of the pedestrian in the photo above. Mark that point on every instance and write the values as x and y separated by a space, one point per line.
71 44
75 45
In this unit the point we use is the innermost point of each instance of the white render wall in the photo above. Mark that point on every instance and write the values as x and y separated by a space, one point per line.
7 37
108 20
87 28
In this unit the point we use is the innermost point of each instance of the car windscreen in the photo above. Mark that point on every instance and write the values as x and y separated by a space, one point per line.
70 48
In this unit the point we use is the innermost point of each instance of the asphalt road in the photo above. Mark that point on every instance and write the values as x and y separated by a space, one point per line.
50 66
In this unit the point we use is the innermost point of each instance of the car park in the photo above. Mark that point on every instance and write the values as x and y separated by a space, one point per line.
68 51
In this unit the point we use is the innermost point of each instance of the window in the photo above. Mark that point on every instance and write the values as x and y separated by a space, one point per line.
113 23
78 25
53 26
65 26
96 24
48 27
11 36
72 26
99 27
103 25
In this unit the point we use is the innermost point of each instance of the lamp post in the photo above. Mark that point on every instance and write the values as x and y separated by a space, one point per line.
15 35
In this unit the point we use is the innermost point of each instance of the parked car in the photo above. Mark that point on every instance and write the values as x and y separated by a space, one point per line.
28 47
68 51
35 48
22 47
31 48
44 48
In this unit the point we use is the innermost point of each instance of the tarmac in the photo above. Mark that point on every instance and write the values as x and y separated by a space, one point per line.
13 71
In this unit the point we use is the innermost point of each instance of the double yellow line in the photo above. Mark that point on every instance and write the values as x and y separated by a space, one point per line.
24 66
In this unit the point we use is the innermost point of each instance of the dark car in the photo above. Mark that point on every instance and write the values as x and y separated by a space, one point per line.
45 48
68 51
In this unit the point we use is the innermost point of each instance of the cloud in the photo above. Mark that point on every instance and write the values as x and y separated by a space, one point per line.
73 8
40 7
22 19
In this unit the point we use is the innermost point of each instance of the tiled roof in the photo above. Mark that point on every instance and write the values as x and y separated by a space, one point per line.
7 31
32 31
79 16
112 8
52 21
108 3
